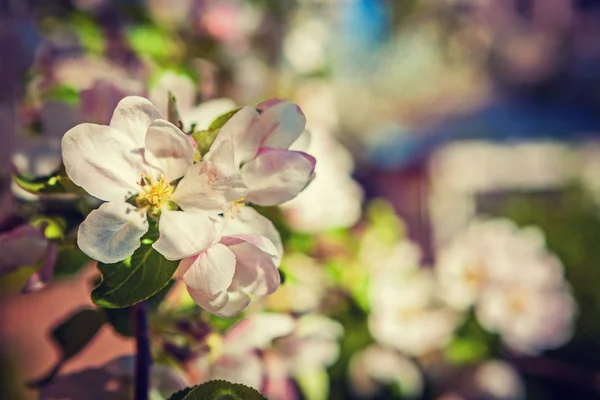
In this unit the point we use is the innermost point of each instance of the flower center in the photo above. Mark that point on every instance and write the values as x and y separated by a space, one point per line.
236 207
153 194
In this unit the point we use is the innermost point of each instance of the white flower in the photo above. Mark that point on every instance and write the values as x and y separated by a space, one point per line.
140 154
333 199
273 173
406 313
240 262
516 285
497 380
184 90
376 366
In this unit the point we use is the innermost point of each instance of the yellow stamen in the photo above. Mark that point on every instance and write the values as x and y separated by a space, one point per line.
153 194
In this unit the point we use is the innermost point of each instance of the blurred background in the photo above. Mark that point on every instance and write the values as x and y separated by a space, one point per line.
457 141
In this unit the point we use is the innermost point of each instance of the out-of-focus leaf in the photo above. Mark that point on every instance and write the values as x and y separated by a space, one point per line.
64 93
132 280
71 336
54 227
155 43
44 185
89 33
70 260
218 390
314 384
465 351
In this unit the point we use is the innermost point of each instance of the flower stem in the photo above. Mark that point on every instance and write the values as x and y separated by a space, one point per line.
143 358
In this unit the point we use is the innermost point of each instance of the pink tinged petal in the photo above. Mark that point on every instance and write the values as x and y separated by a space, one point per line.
182 87
237 301
22 247
184 234
246 369
246 220
244 131
257 332
103 161
112 232
276 176
133 116
171 149
278 385
281 124
212 270
255 272
260 242
211 185
269 103
210 303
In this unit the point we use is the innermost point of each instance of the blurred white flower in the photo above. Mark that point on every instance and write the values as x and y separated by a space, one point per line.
334 199
516 285
266 350
497 380
407 314
184 90
377 366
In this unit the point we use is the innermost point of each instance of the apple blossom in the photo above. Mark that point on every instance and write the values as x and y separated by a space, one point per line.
516 286
266 350
407 313
261 138
240 262
142 156
376 366
334 199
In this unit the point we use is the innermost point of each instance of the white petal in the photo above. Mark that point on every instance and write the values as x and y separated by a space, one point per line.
246 369
283 123
171 148
184 234
211 185
236 303
257 331
112 232
211 303
255 271
246 220
103 161
243 130
133 116
204 114
276 176
212 270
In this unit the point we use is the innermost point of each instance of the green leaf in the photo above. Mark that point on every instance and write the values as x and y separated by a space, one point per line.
120 318
64 93
222 120
70 260
218 390
205 139
44 185
71 336
132 280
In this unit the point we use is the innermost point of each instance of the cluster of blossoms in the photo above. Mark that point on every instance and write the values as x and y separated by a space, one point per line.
267 351
145 169
516 286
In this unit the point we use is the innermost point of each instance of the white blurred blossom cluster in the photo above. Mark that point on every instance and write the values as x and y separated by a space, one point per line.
516 286
267 350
